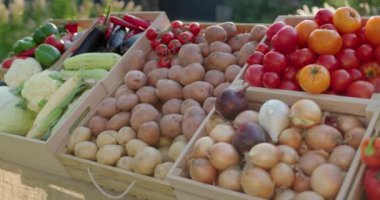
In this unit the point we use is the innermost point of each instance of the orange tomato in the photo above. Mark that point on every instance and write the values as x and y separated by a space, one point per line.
372 30
304 29
314 78
325 41
347 20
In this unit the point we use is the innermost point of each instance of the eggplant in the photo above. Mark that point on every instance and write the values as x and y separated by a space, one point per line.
128 43
116 39
92 42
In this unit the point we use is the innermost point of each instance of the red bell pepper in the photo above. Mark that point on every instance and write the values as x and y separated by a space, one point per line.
55 42
372 183
71 27
370 69
370 151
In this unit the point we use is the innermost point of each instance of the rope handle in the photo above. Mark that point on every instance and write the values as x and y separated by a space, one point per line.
104 192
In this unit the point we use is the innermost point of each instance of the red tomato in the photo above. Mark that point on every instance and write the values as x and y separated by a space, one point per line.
329 62
264 48
174 46
355 74
361 89
255 58
377 54
162 50
371 183
164 62
176 24
167 37
303 57
364 52
350 40
253 75
340 80
271 80
151 34
154 43
289 85
273 29
186 37
348 59
194 28
376 83
274 62
289 73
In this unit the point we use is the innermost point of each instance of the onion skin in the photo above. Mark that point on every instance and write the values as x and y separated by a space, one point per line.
288 154
214 120
202 171
223 155
230 178
291 137
301 183
354 136
326 180
342 156
348 122
308 195
323 137
201 147
230 103
309 161
284 194
222 133
282 175
305 113
246 116
264 155
248 135
257 182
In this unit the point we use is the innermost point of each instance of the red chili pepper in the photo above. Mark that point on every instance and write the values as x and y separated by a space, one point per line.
29 52
7 63
109 30
370 151
71 27
122 23
371 183
136 21
55 42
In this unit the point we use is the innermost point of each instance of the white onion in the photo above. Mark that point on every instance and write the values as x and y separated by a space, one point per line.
305 113
201 170
291 137
223 155
282 175
264 155
284 194
323 137
342 156
326 180
257 182
246 116
311 160
354 136
222 133
301 182
201 146
308 195
288 154
230 178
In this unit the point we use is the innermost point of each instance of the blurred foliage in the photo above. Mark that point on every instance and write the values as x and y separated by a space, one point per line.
19 18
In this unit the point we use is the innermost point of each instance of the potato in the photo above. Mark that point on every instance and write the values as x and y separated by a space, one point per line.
172 106
191 120
147 94
200 38
152 55
215 33
110 154
125 134
108 108
258 32
221 60
187 103
123 89
127 101
190 53
162 170
180 138
135 79
157 74
134 146
218 90
150 66
230 29
246 50
143 114
176 149
199 91
175 61
146 161
165 153
191 73
106 137
238 41
141 105
236 54
167 89
219 46
97 124
135 60
204 48
214 77
125 162
79 134
174 72
119 120
164 141
231 72
86 150
149 132
209 104
170 125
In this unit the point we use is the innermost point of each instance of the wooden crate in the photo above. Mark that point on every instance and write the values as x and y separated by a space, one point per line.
187 189
110 177
41 154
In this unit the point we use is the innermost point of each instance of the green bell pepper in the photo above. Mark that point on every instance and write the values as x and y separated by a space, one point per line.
44 31
46 55
23 44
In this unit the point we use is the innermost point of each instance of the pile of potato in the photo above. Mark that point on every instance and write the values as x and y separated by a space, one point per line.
147 122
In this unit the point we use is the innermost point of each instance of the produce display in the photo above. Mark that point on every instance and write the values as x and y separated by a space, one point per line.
333 53
275 152
165 96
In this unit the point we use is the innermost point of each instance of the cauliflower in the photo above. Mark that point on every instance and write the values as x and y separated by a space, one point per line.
38 89
21 70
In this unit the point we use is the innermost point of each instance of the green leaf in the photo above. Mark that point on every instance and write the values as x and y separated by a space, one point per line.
17 90
42 103
22 104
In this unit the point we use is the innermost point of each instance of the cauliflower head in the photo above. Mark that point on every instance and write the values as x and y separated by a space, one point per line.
21 70
38 89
